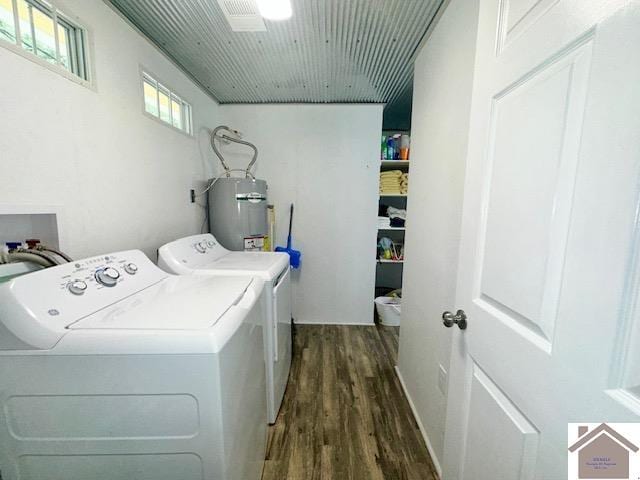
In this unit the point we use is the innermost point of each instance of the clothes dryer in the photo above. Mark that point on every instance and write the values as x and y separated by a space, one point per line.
203 255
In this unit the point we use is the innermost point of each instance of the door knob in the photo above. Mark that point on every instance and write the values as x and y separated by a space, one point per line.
460 319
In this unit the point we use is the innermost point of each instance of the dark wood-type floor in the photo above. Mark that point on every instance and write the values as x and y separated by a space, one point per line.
344 415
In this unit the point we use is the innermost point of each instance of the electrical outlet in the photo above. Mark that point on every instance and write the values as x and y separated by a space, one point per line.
442 379
192 195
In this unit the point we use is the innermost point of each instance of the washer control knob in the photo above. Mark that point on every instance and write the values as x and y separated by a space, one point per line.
77 287
210 244
201 247
131 268
108 276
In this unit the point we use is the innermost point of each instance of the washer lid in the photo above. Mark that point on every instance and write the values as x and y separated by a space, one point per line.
178 303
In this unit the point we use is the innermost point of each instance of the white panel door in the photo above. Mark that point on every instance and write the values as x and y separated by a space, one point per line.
549 268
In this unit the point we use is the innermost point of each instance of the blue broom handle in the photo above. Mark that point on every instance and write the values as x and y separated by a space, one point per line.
290 224
290 219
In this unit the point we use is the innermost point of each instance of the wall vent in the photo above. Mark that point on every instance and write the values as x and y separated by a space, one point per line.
242 15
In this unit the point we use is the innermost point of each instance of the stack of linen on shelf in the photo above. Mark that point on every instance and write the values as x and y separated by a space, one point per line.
384 222
390 182
404 183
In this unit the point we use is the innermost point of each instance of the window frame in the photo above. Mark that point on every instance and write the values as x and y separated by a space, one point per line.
147 76
69 21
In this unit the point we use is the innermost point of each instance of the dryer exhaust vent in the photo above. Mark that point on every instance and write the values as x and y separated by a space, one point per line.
242 15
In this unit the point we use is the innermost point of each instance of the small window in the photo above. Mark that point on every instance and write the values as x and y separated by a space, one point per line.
166 105
41 29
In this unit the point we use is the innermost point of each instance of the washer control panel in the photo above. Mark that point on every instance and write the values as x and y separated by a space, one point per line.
73 290
39 307
107 271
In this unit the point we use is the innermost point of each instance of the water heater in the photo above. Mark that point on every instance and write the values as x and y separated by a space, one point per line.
238 213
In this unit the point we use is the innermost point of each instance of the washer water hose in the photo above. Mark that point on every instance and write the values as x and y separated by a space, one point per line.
222 136
36 253
50 258
44 248
24 257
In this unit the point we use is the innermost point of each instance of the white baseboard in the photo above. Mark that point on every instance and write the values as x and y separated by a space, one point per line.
436 463
296 322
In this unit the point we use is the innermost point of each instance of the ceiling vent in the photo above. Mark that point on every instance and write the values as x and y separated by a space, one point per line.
242 15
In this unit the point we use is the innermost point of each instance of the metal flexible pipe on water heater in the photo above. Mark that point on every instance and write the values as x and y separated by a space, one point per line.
214 135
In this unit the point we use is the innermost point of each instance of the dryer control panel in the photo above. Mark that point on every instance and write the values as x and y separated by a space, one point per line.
40 306
185 254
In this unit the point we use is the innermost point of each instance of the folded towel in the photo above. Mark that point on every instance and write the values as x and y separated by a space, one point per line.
391 174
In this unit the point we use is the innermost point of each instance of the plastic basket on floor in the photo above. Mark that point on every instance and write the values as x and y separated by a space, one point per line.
388 309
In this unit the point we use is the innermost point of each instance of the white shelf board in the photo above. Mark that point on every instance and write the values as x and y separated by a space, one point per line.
381 260
391 228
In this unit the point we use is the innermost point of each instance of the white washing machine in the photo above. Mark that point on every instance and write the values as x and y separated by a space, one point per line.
203 255
112 369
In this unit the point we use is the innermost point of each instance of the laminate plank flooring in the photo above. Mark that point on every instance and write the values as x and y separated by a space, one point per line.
344 415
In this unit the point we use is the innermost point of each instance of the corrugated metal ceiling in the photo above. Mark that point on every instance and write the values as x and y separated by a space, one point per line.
329 51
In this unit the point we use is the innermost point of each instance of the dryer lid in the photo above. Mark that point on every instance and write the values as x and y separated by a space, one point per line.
203 254
267 265
178 303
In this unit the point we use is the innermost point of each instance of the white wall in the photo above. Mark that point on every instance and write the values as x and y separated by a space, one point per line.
441 103
121 178
323 158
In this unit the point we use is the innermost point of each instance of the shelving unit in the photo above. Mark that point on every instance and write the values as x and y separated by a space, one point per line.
389 272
